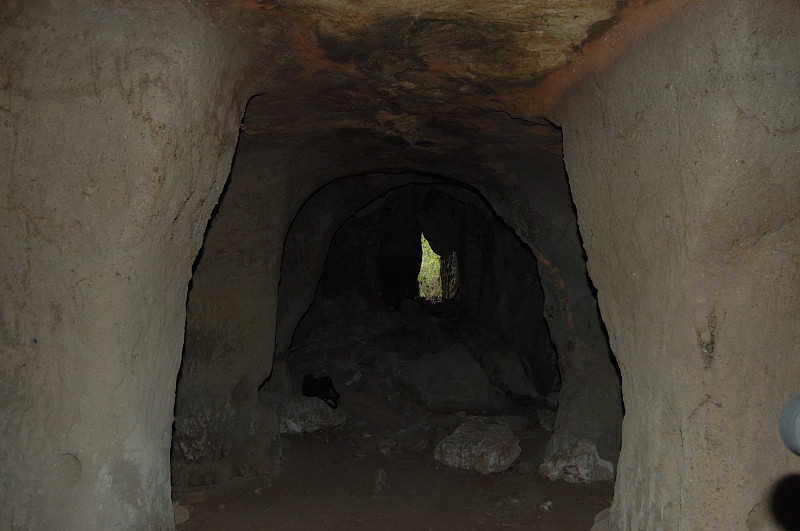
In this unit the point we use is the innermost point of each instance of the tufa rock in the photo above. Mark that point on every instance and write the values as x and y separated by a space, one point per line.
601 521
577 463
547 419
306 415
479 447
181 513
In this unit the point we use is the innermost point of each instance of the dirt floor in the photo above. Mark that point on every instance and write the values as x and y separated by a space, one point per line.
354 477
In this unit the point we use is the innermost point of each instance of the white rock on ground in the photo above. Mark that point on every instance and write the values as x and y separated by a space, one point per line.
577 463
479 447
300 414
180 512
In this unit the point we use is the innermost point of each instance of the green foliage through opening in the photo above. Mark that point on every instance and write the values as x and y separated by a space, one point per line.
429 279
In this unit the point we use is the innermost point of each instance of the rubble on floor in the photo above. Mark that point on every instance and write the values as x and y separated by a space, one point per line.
300 414
410 386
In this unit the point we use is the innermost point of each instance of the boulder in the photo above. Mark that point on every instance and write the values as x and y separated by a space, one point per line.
578 462
480 447
547 419
180 512
300 414
506 371
450 381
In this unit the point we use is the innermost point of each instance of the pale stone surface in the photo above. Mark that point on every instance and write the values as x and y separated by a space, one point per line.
300 414
480 447
181 513
760 518
117 128
601 521
684 172
577 463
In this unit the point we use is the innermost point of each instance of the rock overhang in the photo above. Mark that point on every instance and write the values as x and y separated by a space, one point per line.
415 57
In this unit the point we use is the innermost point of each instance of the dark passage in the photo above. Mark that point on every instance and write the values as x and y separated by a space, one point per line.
412 373
461 408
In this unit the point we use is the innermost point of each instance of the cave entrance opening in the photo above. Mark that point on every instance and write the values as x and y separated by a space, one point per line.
438 275
429 278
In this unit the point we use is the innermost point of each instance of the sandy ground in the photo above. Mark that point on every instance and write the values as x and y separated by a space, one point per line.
344 478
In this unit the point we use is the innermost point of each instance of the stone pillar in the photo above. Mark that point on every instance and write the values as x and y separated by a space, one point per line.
684 167
118 129
590 408
221 429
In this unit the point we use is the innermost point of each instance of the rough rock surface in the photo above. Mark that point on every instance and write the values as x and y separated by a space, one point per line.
577 463
181 513
451 380
547 419
601 521
697 321
300 414
369 347
480 447
111 159
505 370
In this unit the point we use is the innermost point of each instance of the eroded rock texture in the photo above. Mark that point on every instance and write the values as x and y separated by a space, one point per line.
115 145
479 446
693 163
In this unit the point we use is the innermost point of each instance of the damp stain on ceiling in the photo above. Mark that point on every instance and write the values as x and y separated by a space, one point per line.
391 65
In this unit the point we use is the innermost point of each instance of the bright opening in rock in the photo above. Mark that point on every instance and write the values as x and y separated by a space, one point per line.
430 273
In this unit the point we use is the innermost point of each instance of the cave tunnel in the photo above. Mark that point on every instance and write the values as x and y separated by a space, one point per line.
617 182
497 284
349 308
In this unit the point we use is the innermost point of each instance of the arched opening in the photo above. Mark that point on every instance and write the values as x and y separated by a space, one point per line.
516 342
501 292
431 276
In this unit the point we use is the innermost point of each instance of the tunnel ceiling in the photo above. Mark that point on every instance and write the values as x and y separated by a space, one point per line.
423 53
393 67
468 90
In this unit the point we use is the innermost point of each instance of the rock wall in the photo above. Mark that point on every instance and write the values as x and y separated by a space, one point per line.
118 129
683 163
221 429
309 238
590 405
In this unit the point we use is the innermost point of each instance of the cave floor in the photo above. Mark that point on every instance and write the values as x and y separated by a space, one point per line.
344 478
